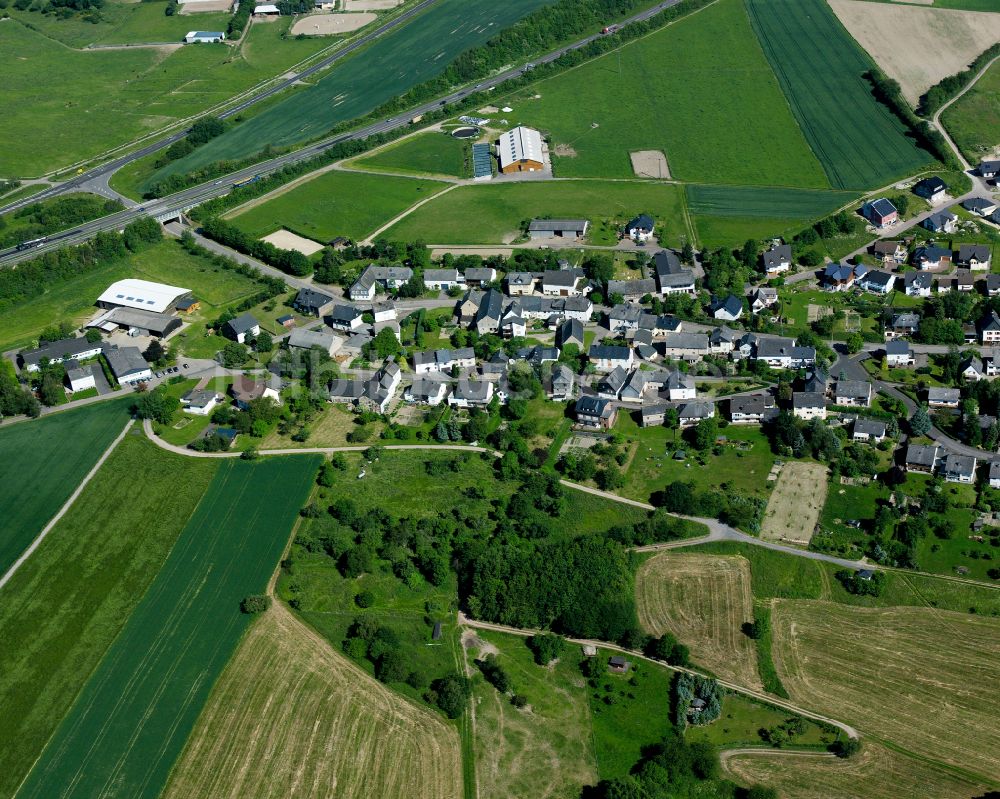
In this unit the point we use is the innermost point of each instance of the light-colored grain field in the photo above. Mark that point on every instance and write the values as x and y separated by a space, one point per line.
292 717
918 46
703 600
876 773
921 678
795 505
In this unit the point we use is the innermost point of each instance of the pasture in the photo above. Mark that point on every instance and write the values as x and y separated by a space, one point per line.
973 120
41 464
917 677
431 153
878 772
795 504
703 600
545 749
292 717
859 142
493 213
335 203
67 603
138 706
406 56
704 94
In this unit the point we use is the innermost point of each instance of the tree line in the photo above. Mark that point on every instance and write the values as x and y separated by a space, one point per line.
41 219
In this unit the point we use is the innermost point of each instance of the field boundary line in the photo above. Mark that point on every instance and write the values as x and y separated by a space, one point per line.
407 212
66 506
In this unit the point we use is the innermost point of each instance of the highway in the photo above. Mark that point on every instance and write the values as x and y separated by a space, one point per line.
206 191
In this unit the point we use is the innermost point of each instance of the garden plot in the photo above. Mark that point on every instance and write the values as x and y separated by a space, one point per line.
794 507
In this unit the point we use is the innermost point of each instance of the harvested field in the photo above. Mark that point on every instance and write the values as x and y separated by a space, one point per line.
876 773
648 164
286 240
331 24
919 677
795 505
703 600
918 46
292 717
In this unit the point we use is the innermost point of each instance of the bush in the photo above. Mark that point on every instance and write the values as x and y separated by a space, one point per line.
546 647
255 603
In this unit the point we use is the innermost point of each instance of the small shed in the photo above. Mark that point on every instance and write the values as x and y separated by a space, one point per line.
618 664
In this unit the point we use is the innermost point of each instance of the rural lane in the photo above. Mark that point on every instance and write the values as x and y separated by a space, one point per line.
65 507
936 121
762 696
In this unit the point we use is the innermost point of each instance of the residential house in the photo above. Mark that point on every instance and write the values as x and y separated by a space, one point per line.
671 277
721 340
729 309
905 323
744 347
345 318
680 386
994 474
889 251
992 285
922 458
661 326
520 283
443 279
932 189
479 276
380 389
303 339
857 393
561 387
870 430
488 312
472 393
782 353
653 415
943 397
632 290
931 256
605 358
241 329
959 468
880 213
426 391
941 222
384 311
596 412
247 389
838 277
917 284
777 260
808 405
538 355
964 280
980 206
762 298
443 360
310 302
690 413
752 409
989 328
570 331
610 386
390 278
972 369
687 346
59 352
817 381
988 169
640 228
877 281
200 402
898 353
636 386
560 283
974 256
80 378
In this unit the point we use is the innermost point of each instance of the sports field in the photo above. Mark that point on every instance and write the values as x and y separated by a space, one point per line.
424 154
973 120
134 714
337 203
699 90
41 464
795 504
390 66
66 604
291 716
703 600
859 142
493 213
918 677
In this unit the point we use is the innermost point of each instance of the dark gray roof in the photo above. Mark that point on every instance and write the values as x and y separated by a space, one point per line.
125 360
312 299
641 222
593 406
559 277
808 399
922 455
897 347
242 323
344 313
854 389
966 252
608 351
777 255
58 350
557 224
632 288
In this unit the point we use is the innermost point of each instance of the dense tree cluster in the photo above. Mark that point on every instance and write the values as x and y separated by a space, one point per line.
723 503
855 584
40 219
204 130
290 261
696 699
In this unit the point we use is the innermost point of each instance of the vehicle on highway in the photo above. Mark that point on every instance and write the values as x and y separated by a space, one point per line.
240 183
609 29
27 245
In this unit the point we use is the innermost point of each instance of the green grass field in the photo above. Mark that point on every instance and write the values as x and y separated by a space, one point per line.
67 603
97 99
41 464
974 119
741 722
859 142
699 90
334 204
416 52
493 213
131 719
424 154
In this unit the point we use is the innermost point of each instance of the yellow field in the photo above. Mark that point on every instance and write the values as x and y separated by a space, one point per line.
290 717
920 678
795 504
703 600
875 773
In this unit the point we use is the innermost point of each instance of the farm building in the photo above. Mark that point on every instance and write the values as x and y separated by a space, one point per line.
557 228
59 352
267 10
482 162
520 150
881 213
142 294
127 364
308 339
188 305
204 37
137 322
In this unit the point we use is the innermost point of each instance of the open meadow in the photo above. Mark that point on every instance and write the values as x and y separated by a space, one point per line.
433 153
699 90
493 213
136 710
973 120
406 56
292 717
859 142
703 600
41 464
66 604
352 204
918 677
795 504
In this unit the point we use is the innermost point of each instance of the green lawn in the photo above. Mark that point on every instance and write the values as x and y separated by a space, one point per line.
493 213
699 90
974 119
860 142
743 719
426 153
67 603
335 204
43 461
406 56
135 711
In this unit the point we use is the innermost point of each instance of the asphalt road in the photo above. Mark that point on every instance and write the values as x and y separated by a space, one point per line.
198 194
